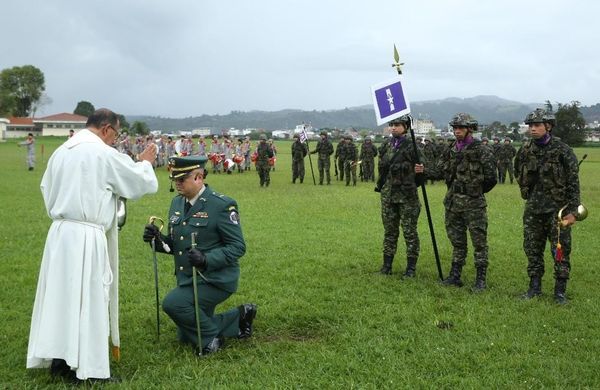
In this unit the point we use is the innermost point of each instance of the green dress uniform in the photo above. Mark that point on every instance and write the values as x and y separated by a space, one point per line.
215 220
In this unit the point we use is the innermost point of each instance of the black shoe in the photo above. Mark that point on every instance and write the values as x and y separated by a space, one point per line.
212 347
535 288
59 367
31 168
247 314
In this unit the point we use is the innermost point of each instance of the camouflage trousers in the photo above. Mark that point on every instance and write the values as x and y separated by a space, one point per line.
298 169
503 167
394 215
537 229
324 167
264 170
340 164
368 168
457 224
350 172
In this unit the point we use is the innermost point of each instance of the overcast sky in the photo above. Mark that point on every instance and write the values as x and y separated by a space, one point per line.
182 58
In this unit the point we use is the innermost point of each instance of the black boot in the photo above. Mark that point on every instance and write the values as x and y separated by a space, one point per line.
480 280
454 278
386 268
411 268
560 295
535 288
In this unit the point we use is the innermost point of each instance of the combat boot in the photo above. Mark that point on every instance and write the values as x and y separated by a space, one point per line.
535 288
480 279
560 294
411 268
386 268
454 278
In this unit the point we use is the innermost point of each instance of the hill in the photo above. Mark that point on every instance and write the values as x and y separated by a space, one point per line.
486 109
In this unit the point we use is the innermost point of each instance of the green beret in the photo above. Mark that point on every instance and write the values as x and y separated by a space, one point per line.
181 166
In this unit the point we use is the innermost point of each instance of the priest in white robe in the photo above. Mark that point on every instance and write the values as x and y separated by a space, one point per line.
76 303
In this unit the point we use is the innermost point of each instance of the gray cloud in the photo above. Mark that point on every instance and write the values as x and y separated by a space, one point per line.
183 58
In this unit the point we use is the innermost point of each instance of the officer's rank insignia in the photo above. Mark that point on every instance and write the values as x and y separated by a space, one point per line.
200 215
234 217
174 218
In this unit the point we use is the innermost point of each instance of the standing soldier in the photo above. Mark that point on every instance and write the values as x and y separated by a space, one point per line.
216 149
246 148
263 154
368 152
202 147
506 153
400 204
496 146
30 143
325 149
350 161
548 177
469 171
299 151
340 156
430 153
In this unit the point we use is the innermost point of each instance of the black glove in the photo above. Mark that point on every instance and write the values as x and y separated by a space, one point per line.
197 259
151 231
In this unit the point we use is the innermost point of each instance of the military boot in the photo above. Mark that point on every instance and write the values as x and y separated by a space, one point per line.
535 288
560 295
411 268
386 268
454 278
480 279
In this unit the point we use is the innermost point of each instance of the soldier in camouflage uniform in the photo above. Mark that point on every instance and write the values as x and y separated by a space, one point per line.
264 153
496 146
400 204
469 171
430 152
350 160
548 177
368 152
340 156
299 151
506 153
325 149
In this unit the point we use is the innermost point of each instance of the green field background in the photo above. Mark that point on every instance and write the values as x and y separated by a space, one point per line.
326 319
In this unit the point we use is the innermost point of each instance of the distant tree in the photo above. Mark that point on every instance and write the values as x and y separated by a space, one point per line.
123 122
7 104
23 87
570 124
84 108
496 128
140 128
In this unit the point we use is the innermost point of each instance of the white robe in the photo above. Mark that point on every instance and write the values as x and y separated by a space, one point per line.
79 270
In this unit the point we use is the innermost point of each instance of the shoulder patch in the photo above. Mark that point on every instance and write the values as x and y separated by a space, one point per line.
234 217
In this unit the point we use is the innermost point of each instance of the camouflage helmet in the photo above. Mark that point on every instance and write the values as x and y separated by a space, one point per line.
323 132
485 139
262 137
540 116
405 120
296 135
463 120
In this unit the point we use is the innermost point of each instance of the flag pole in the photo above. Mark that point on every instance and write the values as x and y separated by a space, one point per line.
397 64
312 172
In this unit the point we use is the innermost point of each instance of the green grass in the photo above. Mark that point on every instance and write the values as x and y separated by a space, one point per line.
326 319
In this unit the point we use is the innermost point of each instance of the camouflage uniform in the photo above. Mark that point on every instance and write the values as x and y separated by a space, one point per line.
430 152
400 204
264 153
506 153
325 149
340 156
469 171
350 161
299 151
368 152
548 177
496 148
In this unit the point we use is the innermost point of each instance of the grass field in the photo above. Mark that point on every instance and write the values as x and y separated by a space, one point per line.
326 319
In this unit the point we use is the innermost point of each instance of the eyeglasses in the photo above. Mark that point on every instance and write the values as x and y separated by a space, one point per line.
117 133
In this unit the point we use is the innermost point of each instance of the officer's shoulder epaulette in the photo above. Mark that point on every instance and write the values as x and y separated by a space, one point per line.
220 196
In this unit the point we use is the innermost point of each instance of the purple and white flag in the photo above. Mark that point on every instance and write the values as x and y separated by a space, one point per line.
389 100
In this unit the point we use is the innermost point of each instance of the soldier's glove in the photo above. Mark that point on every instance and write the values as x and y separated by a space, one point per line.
197 259
377 189
151 231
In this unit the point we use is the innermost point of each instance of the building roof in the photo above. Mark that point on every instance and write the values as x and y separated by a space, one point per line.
63 117
22 121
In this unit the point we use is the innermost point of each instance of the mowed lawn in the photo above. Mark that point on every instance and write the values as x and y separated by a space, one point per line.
326 319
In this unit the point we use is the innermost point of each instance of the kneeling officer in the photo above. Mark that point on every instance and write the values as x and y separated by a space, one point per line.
214 219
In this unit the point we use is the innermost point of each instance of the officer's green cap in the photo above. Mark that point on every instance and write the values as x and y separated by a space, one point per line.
181 166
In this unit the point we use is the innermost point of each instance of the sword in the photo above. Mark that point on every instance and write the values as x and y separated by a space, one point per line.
196 308
155 266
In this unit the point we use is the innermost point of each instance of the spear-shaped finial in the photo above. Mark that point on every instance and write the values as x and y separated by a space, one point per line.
397 64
